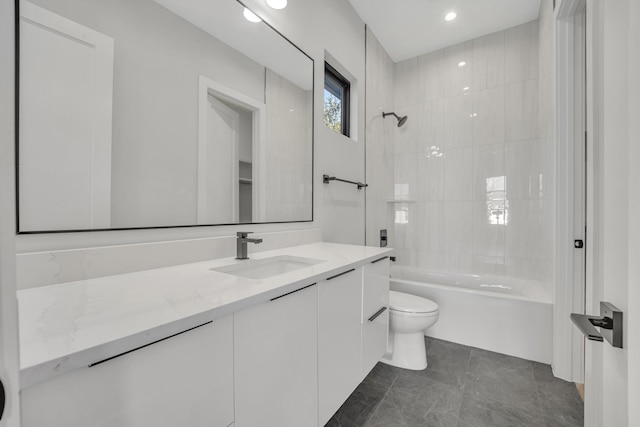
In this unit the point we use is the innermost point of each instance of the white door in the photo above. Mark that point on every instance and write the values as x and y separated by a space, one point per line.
218 178
612 375
633 281
66 82
10 416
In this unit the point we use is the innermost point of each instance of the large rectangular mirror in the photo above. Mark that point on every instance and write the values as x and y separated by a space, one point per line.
143 113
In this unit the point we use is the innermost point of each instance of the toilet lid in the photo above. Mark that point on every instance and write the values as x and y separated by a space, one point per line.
410 303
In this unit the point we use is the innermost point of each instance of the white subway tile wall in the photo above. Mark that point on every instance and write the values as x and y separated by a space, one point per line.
470 162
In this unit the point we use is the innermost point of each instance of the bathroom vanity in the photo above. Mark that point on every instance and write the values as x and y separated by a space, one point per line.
278 340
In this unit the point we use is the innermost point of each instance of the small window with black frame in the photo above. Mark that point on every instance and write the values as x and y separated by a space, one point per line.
336 100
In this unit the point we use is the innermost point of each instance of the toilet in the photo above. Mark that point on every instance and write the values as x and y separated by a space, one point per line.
409 316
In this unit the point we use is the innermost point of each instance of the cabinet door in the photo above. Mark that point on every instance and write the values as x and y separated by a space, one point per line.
375 313
186 380
276 362
339 315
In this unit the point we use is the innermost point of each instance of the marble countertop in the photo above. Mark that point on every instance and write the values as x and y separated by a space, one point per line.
72 325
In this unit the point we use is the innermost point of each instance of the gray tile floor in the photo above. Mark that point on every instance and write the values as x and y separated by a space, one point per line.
462 387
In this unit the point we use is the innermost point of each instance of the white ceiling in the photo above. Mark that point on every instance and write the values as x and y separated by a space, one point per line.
224 20
409 28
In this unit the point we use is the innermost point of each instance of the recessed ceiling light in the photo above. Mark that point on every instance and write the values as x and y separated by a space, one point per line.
450 16
466 88
250 16
461 64
277 4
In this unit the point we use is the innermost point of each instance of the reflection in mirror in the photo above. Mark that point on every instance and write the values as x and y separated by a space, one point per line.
159 113
229 137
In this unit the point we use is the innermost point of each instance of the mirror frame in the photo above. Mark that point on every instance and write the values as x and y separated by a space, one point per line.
17 144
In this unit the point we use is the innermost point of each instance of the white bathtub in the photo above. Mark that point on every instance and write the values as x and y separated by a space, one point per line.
504 315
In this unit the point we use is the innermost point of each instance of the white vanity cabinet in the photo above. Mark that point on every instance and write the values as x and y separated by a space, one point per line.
184 380
286 350
339 332
276 361
375 313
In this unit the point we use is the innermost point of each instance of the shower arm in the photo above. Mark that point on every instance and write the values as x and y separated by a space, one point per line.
401 120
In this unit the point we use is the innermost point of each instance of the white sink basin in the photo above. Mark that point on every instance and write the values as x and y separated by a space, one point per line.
267 267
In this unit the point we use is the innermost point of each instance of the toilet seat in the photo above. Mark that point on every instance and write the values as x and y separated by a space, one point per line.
406 303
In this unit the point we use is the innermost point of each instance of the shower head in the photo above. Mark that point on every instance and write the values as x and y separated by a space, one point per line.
401 120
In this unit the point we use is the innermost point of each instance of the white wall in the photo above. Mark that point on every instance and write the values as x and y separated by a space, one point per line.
288 158
472 149
338 208
8 302
332 26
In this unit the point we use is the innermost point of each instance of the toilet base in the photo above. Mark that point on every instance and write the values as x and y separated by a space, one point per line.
408 351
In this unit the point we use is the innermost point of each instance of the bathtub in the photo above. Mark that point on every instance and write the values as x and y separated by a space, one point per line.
504 315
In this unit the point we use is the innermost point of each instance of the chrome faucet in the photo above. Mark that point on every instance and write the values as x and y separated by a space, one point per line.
241 244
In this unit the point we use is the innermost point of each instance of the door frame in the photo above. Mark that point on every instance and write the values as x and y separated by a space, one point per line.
9 361
206 87
570 127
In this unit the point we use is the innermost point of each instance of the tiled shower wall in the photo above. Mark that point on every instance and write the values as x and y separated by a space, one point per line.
473 179
380 140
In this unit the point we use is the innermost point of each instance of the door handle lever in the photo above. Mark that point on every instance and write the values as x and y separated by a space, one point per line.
609 322
601 322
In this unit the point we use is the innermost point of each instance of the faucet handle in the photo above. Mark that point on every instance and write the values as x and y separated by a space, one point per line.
243 234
